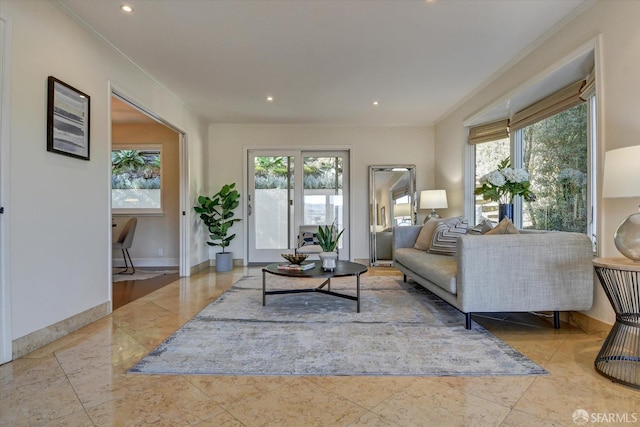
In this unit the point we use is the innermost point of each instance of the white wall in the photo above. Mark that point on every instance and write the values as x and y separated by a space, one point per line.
617 22
370 146
60 225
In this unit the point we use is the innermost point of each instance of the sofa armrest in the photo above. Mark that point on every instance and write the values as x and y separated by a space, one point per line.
405 236
525 272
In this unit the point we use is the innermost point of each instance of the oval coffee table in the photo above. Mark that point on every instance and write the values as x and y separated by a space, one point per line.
343 268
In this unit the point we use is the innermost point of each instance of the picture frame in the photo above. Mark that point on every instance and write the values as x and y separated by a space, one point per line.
68 114
383 217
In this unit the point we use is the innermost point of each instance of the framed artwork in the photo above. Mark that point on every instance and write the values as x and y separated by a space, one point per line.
67 120
383 216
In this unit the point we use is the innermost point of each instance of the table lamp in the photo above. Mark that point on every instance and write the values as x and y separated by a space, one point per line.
433 199
622 180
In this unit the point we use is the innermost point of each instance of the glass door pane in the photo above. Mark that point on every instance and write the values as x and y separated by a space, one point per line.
272 186
289 189
323 191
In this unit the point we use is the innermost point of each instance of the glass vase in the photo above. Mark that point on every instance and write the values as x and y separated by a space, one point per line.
505 210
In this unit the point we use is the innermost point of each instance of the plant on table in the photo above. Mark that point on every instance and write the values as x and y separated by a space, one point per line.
328 237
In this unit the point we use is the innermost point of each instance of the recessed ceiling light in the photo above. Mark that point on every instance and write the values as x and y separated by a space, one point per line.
269 98
126 8
376 103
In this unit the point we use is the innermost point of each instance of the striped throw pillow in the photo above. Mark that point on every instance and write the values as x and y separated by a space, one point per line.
446 235
309 238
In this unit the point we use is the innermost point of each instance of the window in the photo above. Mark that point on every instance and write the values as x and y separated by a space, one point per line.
136 179
557 149
487 156
555 152
402 211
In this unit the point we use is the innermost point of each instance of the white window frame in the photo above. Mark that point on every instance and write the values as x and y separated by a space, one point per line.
517 160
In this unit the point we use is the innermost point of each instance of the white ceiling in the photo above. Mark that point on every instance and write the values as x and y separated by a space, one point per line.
323 61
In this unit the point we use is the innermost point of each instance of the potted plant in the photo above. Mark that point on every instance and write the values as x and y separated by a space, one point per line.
217 214
328 237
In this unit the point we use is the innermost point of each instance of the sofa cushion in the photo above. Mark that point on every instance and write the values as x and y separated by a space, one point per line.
423 242
446 235
481 228
438 269
504 227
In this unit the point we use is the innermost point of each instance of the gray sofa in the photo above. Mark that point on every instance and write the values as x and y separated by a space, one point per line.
532 271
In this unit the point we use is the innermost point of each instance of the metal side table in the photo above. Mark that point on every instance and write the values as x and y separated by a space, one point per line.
619 358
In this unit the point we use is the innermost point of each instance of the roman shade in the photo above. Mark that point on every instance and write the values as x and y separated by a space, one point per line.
589 88
553 104
489 132
399 192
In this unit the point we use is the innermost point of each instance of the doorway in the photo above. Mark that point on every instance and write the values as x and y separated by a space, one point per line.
291 188
154 191
5 312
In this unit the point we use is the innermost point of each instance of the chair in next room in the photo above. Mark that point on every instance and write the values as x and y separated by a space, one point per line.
124 242
308 240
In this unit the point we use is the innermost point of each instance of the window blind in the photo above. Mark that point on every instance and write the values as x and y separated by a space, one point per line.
589 88
553 104
489 132
399 192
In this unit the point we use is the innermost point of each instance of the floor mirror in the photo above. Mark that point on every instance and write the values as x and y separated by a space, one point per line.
392 203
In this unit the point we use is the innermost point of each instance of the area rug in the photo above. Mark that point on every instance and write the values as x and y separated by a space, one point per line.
402 329
142 275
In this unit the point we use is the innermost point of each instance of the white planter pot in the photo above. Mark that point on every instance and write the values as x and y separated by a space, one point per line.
328 260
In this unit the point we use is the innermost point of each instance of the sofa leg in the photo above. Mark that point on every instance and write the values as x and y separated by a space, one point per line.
467 320
556 319
404 277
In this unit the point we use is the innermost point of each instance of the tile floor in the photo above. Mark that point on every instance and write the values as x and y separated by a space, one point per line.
81 380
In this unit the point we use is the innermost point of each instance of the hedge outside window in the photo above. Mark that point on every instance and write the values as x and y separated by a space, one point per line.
556 155
136 180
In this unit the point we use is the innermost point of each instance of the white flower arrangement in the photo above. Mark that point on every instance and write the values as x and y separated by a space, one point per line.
504 183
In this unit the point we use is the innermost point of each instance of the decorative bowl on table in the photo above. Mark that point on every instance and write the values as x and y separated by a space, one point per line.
295 258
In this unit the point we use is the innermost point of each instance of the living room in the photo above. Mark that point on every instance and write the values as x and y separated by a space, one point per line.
72 249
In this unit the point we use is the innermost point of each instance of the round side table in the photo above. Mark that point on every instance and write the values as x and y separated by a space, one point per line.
619 357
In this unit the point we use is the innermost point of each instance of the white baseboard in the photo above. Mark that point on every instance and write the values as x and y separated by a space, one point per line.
148 262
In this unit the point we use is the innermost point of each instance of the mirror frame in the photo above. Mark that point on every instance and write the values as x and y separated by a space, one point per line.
374 209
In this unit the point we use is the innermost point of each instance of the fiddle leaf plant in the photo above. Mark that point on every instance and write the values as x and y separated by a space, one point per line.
217 214
328 237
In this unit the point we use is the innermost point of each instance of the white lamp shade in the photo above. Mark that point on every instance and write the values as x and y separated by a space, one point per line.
433 199
401 209
622 173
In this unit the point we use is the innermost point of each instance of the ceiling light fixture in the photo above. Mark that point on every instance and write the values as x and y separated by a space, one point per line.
126 8
376 103
269 98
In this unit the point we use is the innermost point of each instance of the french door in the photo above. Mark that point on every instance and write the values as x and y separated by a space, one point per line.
291 188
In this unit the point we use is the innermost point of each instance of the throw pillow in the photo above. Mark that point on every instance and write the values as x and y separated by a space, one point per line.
481 228
423 242
445 236
309 238
504 227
